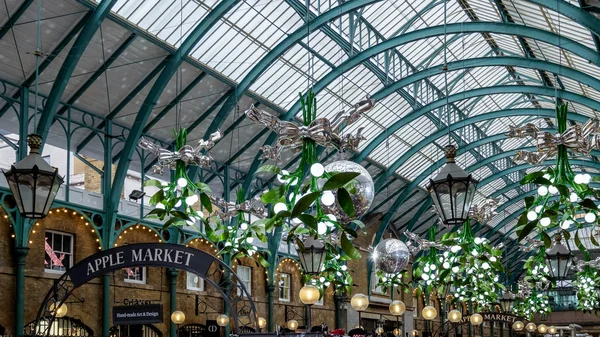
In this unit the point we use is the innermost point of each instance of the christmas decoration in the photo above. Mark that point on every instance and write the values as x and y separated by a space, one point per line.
391 256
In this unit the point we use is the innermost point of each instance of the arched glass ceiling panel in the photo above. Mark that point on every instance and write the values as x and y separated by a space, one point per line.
532 15
485 10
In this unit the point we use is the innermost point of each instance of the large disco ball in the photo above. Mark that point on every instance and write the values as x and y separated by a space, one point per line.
391 256
361 189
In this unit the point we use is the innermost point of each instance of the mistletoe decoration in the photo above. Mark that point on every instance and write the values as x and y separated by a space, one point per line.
587 283
534 303
562 195
537 271
311 201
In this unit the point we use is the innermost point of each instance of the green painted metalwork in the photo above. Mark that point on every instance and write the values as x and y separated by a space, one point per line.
174 61
8 25
67 68
124 102
51 56
279 50
174 102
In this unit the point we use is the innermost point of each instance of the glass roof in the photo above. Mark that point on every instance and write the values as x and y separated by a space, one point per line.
240 40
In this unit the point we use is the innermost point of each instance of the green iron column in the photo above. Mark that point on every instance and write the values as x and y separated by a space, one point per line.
338 301
271 306
20 223
105 305
21 254
172 276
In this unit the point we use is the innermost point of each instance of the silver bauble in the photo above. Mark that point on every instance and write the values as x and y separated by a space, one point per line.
362 193
391 256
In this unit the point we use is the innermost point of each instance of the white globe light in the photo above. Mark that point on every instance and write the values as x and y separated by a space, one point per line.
579 179
573 197
182 182
160 205
455 249
178 204
296 221
279 207
566 224
250 240
281 175
542 190
552 189
244 226
477 240
531 215
455 269
317 170
331 217
192 199
446 265
321 228
485 265
328 198
545 222
294 182
590 217
538 209
587 178
291 197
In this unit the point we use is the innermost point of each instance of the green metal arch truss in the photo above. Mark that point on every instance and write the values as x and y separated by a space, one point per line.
174 61
279 50
68 66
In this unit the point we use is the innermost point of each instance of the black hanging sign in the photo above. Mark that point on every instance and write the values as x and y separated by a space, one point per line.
137 314
495 317
140 255
212 329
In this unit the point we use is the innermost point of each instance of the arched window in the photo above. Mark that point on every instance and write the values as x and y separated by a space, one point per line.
64 326
145 330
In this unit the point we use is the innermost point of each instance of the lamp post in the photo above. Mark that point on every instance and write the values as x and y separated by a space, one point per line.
397 308
452 190
177 317
359 302
33 182
309 295
311 255
559 259
507 302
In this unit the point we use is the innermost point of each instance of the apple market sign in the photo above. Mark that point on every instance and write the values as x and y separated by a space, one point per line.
495 317
147 254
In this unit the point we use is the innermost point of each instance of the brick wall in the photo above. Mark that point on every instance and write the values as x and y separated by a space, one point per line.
38 281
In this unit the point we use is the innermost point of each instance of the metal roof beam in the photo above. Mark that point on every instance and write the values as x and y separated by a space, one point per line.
131 95
174 62
101 70
68 66
279 50
49 58
14 18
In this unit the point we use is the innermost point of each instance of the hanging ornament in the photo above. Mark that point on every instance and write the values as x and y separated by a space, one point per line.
485 210
391 256
361 191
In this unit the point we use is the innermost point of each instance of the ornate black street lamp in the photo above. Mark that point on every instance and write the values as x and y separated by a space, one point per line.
559 259
452 190
507 302
311 256
33 182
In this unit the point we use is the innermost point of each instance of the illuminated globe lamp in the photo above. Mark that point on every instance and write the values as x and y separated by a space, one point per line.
59 312
397 308
559 259
379 331
452 190
223 320
429 313
262 322
359 302
414 333
454 316
552 330
531 327
542 328
177 317
518 326
476 319
33 182
292 324
397 332
309 295
312 256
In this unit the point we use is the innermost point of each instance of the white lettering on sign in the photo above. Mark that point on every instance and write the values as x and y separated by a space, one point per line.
140 255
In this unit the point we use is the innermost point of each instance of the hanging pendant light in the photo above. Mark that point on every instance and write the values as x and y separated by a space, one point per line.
452 190
312 256
559 259
33 182
507 302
